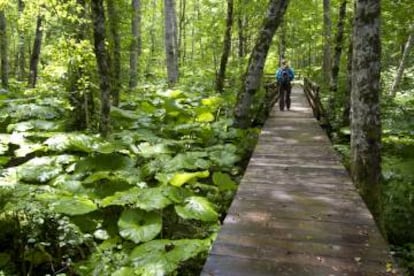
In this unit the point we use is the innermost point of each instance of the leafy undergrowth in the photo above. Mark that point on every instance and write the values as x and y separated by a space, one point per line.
146 201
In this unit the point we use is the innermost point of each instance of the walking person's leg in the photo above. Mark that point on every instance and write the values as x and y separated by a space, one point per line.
282 94
288 90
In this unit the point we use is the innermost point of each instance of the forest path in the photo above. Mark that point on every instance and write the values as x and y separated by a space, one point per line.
296 211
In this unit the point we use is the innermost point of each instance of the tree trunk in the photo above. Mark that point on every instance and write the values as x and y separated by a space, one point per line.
226 47
21 60
338 48
241 35
171 49
400 71
282 42
102 59
365 122
336 59
135 48
251 83
80 97
182 29
3 49
346 120
34 59
113 16
327 27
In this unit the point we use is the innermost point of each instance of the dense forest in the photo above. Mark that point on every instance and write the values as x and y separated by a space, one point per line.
125 126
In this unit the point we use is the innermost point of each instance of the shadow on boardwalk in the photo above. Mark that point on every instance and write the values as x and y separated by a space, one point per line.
296 211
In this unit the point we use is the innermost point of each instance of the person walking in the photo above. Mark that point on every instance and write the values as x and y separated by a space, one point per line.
284 75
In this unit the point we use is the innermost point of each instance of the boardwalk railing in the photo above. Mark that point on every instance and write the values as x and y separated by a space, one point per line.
296 211
312 90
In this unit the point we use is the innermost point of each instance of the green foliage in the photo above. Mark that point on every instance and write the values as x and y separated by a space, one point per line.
160 182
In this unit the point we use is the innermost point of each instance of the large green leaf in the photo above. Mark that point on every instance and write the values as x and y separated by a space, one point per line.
69 204
179 179
188 161
147 199
38 125
161 257
42 169
139 226
79 142
148 150
198 208
224 181
105 162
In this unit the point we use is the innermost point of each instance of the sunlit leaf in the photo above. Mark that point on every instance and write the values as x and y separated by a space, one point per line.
180 179
147 150
198 208
69 205
139 226
147 199
79 142
205 117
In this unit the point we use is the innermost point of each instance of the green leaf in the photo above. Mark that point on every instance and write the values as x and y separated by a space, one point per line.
105 162
122 114
205 117
79 142
162 257
139 226
224 181
198 208
147 199
147 150
180 179
40 169
38 125
188 161
73 206
124 271
4 259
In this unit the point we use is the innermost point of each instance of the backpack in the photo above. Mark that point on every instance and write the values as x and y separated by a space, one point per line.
285 77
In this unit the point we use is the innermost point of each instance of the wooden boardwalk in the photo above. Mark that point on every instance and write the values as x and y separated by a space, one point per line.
296 211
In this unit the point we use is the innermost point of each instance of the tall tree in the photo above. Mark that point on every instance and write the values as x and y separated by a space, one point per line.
338 47
226 47
135 48
346 120
35 57
401 67
102 59
251 83
327 30
21 59
365 120
113 16
80 96
4 51
171 43
333 85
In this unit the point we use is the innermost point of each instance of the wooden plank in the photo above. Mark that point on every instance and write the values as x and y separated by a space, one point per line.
296 211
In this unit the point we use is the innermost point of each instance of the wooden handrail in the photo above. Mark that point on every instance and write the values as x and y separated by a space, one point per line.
312 90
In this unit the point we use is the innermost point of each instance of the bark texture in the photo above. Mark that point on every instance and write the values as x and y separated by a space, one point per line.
21 58
401 67
336 61
365 105
226 48
4 51
102 59
34 59
135 48
113 14
171 43
327 30
251 83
